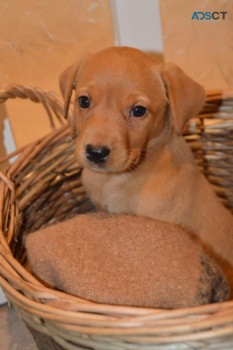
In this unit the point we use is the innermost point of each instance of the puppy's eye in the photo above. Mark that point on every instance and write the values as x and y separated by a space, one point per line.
84 101
138 111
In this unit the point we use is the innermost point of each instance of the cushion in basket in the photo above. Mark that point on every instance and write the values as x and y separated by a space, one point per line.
126 260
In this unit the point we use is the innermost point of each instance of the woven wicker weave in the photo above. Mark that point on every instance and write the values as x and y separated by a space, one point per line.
43 186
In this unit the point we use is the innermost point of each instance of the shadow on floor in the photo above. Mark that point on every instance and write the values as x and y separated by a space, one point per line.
13 333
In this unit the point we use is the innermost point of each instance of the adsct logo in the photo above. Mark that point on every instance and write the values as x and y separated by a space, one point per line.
207 16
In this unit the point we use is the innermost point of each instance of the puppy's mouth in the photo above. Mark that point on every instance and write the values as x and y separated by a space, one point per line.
114 165
131 163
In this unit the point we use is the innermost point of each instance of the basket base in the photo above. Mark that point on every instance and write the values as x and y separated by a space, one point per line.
43 341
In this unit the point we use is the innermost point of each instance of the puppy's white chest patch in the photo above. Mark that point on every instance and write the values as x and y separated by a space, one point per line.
108 192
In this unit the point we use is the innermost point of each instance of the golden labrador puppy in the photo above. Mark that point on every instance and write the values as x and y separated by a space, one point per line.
129 115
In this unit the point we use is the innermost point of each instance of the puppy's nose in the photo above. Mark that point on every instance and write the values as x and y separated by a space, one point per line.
97 154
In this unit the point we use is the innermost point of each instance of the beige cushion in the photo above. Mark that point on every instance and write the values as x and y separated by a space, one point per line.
125 260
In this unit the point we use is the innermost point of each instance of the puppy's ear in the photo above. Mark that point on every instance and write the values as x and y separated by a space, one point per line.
186 97
67 81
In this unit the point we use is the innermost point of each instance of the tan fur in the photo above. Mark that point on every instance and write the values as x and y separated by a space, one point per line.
150 171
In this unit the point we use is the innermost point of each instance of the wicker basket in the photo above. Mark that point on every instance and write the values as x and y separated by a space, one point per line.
43 186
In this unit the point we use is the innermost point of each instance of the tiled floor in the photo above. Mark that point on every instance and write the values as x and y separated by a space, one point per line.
13 333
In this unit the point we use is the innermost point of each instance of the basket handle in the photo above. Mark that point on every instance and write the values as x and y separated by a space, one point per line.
49 100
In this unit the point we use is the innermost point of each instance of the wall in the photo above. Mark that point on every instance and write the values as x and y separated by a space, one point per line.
202 48
137 23
38 40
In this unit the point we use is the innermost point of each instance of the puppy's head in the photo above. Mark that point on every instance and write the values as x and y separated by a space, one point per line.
126 104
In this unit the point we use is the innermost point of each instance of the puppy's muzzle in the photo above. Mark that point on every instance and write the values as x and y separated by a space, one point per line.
97 155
